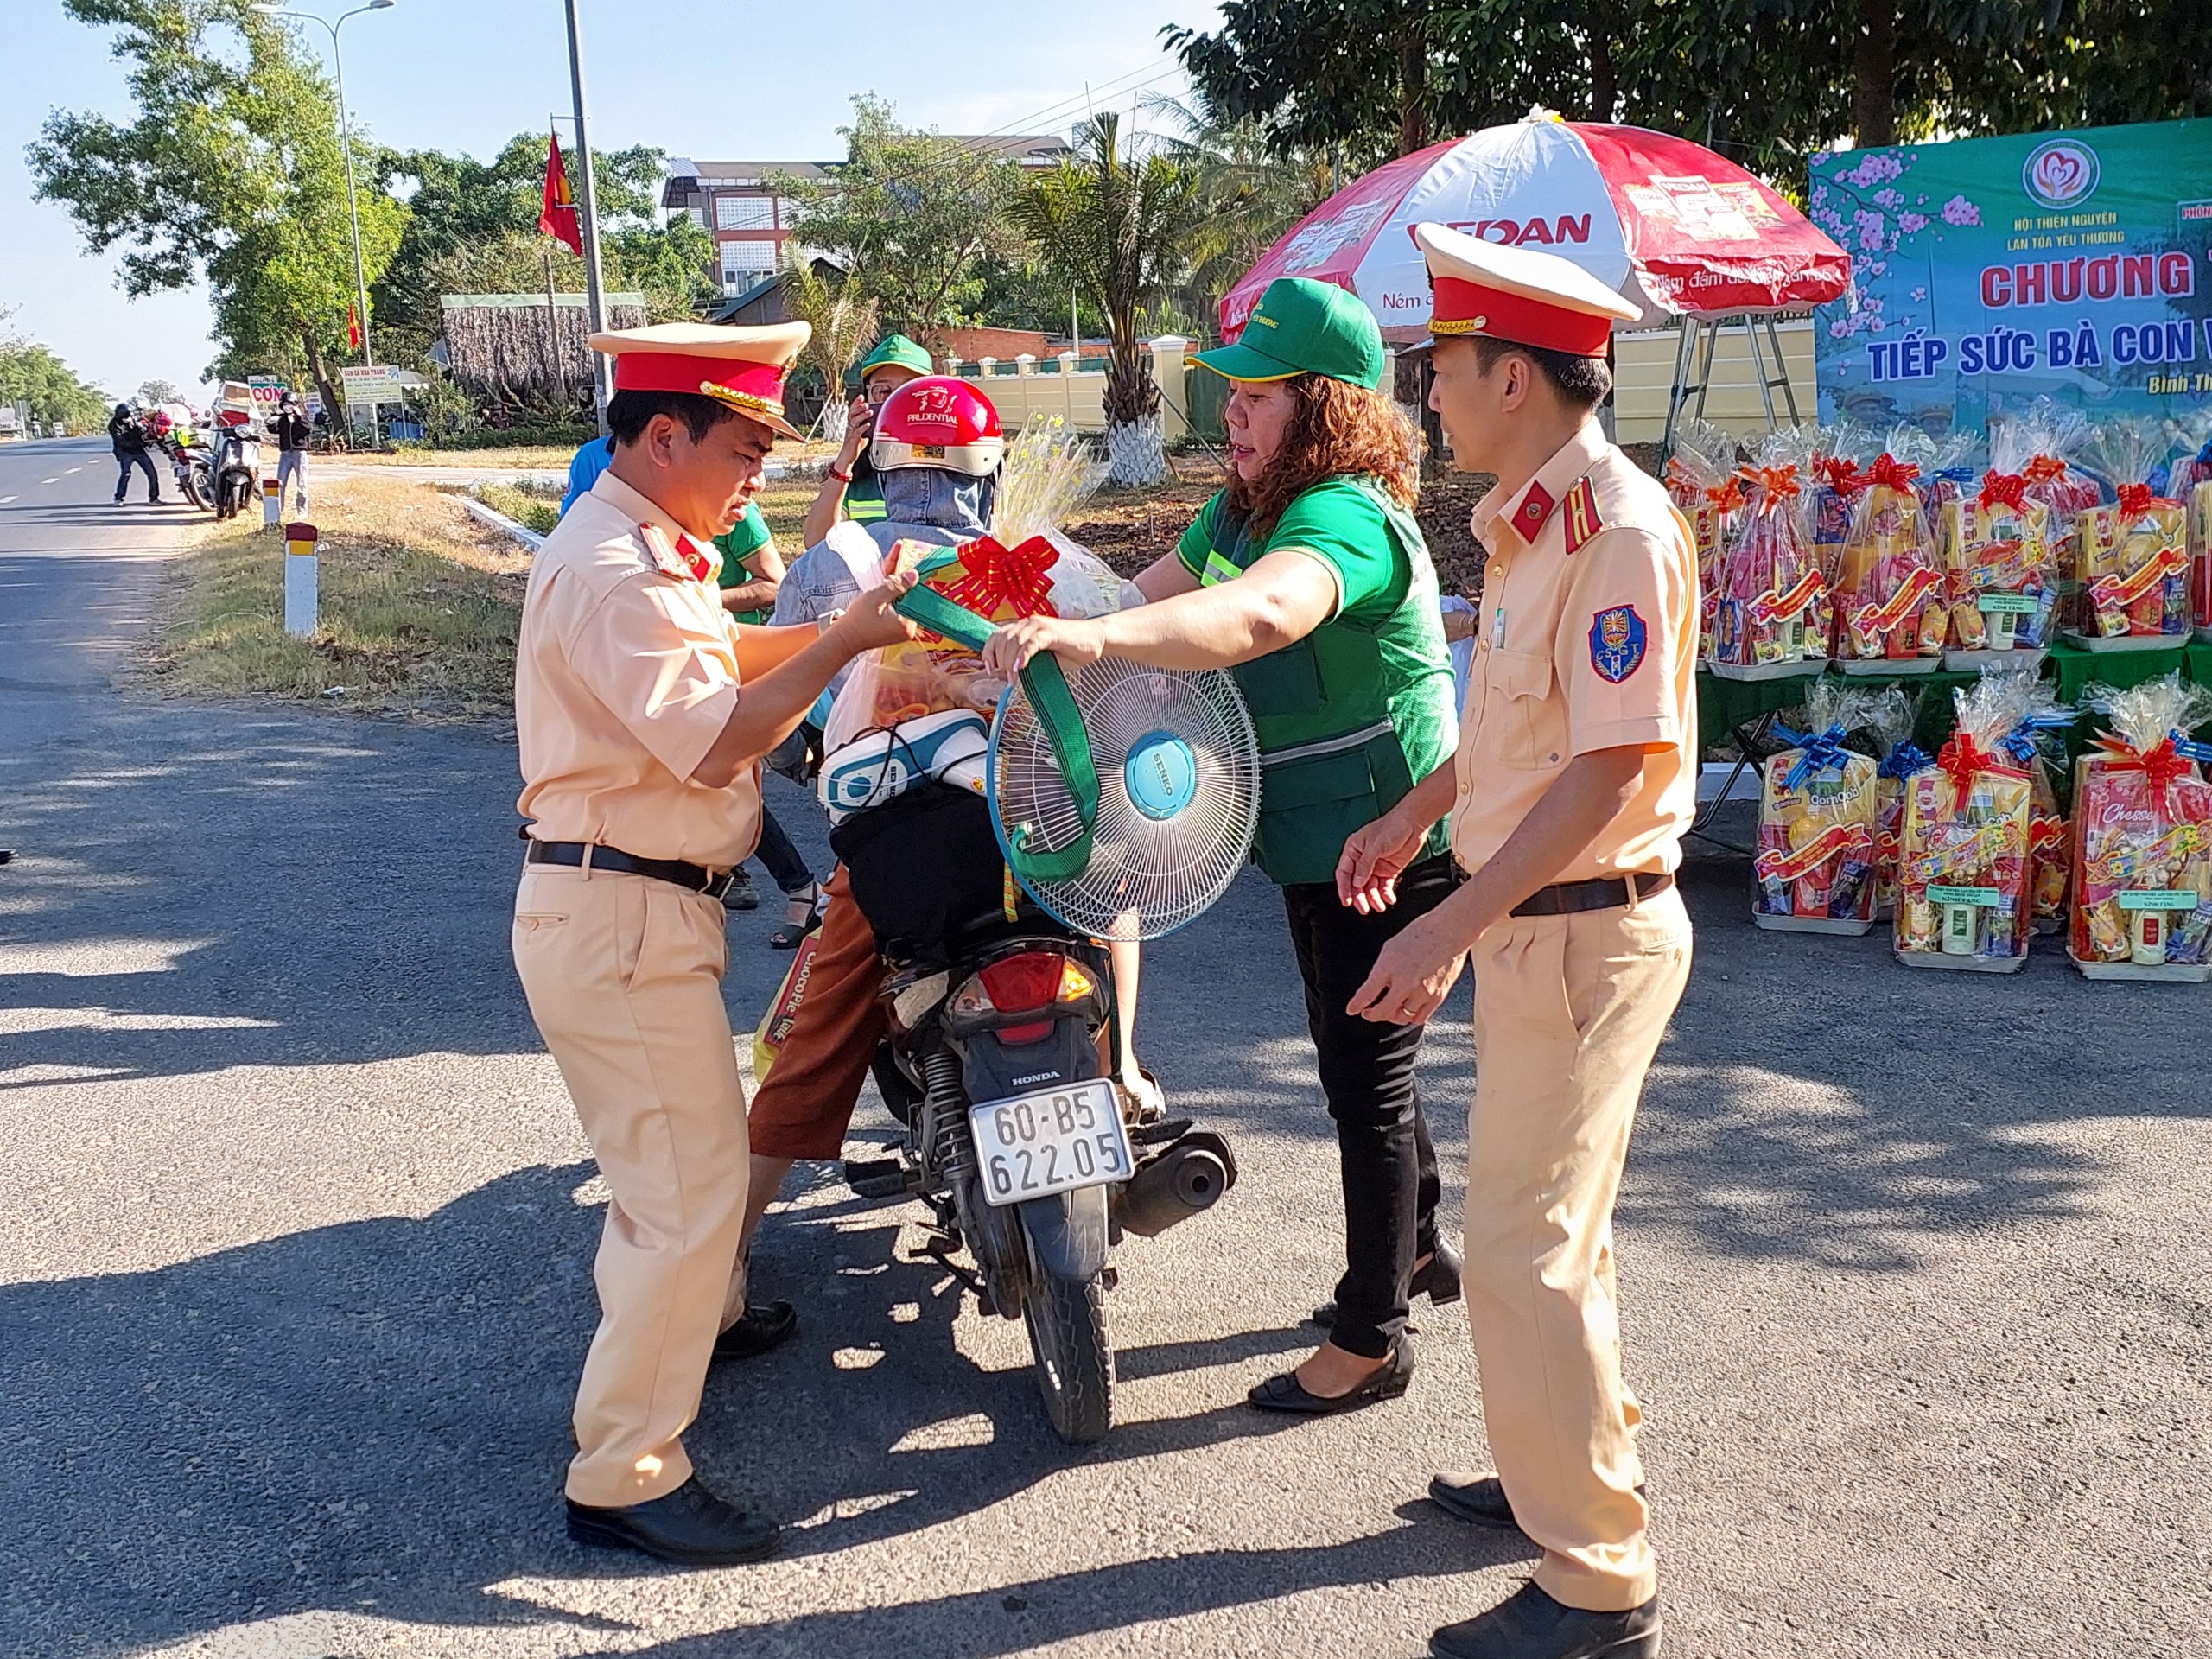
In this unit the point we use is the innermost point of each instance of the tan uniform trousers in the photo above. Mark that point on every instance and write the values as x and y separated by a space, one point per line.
624 975
1569 1011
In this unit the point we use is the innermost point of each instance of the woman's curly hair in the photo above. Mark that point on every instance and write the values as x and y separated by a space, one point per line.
1335 430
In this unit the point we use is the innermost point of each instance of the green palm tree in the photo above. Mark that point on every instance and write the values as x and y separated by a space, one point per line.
1114 222
844 323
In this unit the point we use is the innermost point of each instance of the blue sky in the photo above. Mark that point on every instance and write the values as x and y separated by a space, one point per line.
744 81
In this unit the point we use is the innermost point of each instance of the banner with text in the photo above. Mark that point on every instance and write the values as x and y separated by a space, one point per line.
1987 272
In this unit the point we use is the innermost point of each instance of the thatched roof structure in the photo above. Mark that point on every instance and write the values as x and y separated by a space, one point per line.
512 343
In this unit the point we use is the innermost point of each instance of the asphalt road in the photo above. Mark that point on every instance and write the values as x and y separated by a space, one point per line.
298 1228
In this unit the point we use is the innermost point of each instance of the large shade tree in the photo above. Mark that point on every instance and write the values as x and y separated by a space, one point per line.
230 173
1114 221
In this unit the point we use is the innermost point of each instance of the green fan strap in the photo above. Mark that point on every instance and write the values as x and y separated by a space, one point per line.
1056 713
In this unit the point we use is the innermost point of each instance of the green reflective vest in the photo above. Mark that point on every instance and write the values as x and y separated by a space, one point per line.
864 495
1334 755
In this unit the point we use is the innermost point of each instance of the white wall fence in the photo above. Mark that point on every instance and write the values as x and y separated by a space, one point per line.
1028 385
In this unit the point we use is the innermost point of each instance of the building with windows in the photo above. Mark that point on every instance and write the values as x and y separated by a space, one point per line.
738 205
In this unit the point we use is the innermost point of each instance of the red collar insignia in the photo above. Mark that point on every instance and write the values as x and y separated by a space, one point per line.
1536 505
679 560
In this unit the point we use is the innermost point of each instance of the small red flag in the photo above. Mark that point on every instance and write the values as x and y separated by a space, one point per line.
353 330
557 218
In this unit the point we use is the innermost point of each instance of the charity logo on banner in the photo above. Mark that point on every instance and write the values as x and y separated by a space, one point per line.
1988 273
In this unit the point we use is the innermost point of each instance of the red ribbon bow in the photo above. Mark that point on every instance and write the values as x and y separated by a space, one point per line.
1726 497
2005 489
1778 484
1014 577
2044 470
1963 757
1841 473
2134 498
2162 765
1892 473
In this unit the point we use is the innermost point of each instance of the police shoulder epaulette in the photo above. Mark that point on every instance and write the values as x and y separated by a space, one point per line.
1582 519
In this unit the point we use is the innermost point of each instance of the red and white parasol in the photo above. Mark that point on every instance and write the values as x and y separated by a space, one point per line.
1671 226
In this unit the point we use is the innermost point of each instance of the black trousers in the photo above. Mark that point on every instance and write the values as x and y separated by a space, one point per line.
125 460
1367 1077
786 864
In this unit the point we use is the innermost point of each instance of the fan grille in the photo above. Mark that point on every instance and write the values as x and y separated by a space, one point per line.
1148 875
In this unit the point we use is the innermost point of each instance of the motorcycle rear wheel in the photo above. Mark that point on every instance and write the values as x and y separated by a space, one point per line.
1069 1353
197 489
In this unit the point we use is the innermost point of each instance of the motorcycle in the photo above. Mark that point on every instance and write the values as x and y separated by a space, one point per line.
1028 1153
235 469
187 457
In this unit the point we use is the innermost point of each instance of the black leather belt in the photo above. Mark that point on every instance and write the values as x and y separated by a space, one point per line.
571 853
1570 897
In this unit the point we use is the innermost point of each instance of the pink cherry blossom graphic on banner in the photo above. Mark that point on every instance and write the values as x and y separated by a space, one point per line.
1671 226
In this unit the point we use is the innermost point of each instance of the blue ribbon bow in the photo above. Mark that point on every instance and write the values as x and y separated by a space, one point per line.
1905 759
2192 751
1822 754
2020 742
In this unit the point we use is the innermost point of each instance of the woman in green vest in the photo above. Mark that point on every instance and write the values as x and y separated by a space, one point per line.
851 485
1307 578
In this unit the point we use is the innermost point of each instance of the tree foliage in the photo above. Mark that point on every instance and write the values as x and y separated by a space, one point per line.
844 321
232 173
912 217
30 373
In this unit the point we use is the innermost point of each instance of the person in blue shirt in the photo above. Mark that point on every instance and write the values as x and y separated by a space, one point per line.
584 469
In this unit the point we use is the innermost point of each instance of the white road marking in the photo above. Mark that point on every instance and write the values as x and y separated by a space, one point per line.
54 480
73 469
5 499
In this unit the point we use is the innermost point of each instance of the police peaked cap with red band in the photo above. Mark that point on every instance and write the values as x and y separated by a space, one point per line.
743 368
1516 294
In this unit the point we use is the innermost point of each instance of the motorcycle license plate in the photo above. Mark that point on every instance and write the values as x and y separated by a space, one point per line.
1053 1141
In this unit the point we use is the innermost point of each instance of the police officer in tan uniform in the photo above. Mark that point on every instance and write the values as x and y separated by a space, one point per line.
1572 785
642 711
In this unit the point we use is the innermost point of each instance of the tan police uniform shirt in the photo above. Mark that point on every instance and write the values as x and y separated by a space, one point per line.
625 675
1586 640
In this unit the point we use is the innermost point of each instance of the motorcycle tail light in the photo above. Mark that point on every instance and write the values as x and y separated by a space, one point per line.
1031 979
1075 984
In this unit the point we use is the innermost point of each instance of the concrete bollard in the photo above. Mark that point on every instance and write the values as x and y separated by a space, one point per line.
300 562
272 501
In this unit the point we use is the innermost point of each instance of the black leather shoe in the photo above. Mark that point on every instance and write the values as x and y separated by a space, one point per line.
1387 1381
1529 1625
1438 1281
1479 1499
762 1325
690 1526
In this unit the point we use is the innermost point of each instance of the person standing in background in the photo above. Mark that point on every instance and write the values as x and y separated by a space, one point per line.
584 469
852 487
130 441
293 434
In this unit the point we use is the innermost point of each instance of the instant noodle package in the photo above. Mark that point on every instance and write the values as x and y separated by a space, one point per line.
1814 871
1963 869
1888 589
2143 838
2131 555
1769 608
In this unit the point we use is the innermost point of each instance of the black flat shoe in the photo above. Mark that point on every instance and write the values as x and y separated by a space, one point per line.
1387 1381
762 1325
690 1526
1438 1281
1529 1625
1477 1499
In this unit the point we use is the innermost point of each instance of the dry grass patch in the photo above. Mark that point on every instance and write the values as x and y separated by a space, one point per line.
516 458
533 509
420 609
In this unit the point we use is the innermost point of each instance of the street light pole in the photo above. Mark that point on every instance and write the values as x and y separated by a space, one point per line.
346 143
594 295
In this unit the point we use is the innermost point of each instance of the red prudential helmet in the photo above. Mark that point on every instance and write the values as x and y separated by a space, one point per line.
937 420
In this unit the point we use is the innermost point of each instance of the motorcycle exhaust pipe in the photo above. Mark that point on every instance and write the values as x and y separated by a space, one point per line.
1189 1177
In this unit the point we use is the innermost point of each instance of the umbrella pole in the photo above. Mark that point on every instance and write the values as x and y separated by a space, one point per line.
1684 347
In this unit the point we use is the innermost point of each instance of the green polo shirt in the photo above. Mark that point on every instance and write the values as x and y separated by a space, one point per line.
738 543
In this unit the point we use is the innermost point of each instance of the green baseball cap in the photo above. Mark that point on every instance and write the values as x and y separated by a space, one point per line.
896 351
1302 327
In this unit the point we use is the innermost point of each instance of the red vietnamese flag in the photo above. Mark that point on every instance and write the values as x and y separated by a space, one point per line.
557 218
353 330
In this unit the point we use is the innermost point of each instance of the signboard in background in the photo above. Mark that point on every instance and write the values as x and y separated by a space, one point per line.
370 386
269 391
1988 273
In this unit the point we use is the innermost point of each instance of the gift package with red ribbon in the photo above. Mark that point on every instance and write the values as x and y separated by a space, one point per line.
1891 717
1889 586
1770 608
1963 864
1814 871
2143 837
1701 482
1838 467
2191 485
1999 572
2131 555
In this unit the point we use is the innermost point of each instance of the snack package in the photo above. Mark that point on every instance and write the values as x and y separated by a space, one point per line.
1889 588
1771 602
1699 480
1996 550
1815 867
2142 833
1963 864
2132 554
1949 476
2049 836
1892 716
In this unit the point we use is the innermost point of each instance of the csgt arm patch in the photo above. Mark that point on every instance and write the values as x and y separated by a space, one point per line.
1618 639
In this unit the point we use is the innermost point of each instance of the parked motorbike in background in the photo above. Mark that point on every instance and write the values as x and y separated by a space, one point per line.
1028 1153
236 468
187 455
